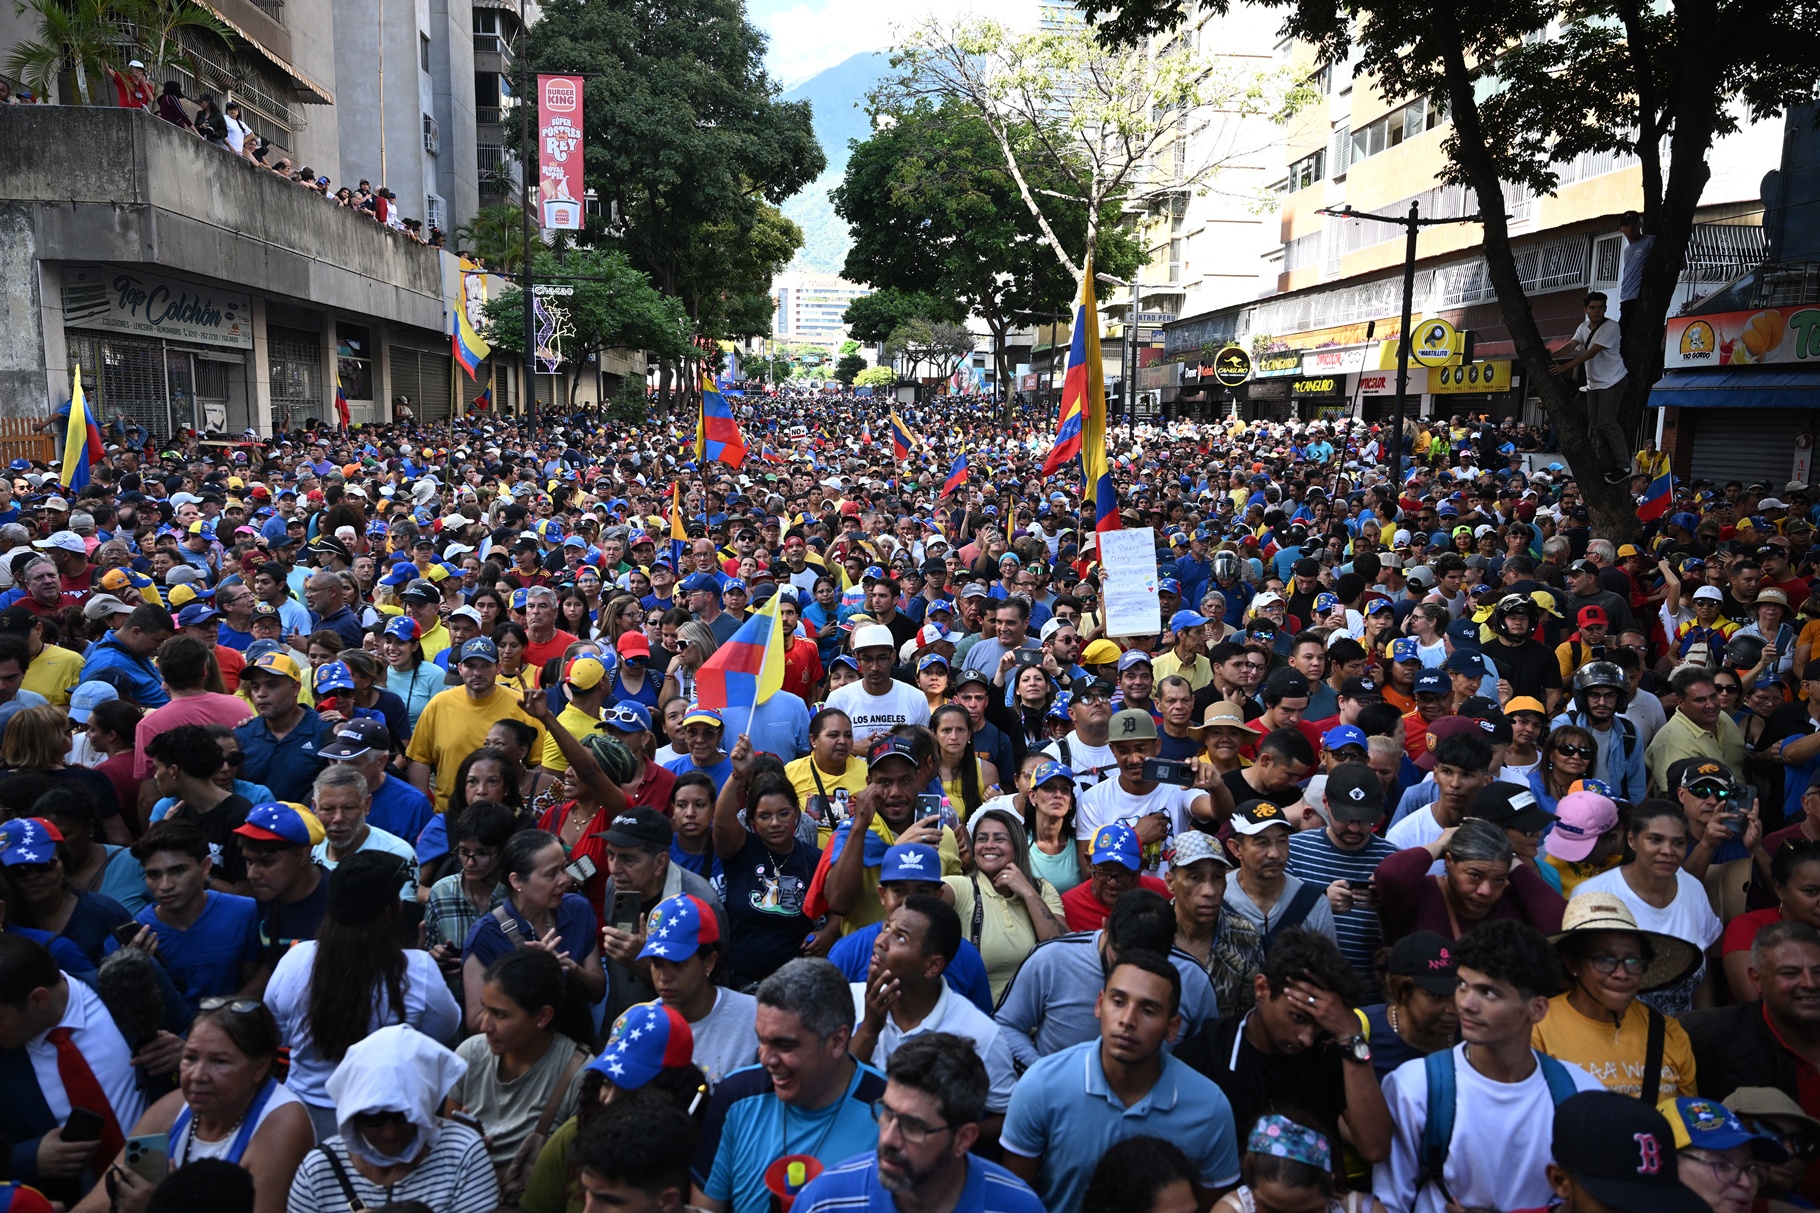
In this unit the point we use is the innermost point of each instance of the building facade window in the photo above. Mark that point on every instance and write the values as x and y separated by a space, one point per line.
1306 171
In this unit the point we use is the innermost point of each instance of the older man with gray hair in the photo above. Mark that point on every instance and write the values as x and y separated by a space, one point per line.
807 1095
342 803
546 639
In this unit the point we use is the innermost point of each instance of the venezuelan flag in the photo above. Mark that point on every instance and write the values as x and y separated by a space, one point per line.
749 668
770 454
679 534
1081 430
957 474
81 442
469 347
717 435
341 403
1106 506
901 441
1658 497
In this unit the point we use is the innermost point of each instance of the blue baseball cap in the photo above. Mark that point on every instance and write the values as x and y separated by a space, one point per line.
1465 661
701 582
1131 657
940 604
1115 842
1405 648
1432 682
402 627
734 583
87 697
845 659
195 613
1464 633
627 716
678 926
479 648
334 676
647 1040
1707 1124
1343 735
1051 770
929 659
1186 619
1326 602
30 840
911 861
1169 585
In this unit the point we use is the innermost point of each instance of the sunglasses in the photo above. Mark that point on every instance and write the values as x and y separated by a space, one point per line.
1711 791
374 1120
1577 751
239 1006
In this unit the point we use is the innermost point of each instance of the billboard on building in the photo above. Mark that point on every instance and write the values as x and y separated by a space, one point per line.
1787 334
560 189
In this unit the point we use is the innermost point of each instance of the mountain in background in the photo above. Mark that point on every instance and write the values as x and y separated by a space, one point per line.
838 98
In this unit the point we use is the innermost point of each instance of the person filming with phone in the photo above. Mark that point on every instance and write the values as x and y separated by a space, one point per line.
1156 799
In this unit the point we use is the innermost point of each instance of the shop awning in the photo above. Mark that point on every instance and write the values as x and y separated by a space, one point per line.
1738 388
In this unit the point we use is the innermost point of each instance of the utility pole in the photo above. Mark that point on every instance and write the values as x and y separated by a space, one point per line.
527 161
1412 225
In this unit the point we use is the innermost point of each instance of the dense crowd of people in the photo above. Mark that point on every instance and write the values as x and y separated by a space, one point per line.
378 831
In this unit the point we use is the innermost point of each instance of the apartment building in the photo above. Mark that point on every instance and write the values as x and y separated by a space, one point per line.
1323 339
809 306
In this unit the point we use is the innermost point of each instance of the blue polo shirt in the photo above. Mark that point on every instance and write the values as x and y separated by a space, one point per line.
400 809
854 1185
1064 1113
206 958
748 1128
287 765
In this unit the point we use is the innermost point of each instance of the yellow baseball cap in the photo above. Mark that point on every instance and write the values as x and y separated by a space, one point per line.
279 663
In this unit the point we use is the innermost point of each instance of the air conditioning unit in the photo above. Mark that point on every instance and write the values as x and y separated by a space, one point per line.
432 135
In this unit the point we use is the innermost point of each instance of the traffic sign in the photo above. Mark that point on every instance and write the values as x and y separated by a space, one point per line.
1432 343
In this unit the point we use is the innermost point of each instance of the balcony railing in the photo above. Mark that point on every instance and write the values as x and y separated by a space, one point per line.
489 115
492 44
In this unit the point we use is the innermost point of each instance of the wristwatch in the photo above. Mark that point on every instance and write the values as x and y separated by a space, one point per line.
1358 1048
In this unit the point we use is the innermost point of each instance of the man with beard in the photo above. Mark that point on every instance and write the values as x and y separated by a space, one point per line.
928 1124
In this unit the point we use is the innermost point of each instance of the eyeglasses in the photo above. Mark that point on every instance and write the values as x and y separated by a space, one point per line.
233 760
1728 688
239 1006
1725 1171
1569 750
1609 964
483 855
914 1131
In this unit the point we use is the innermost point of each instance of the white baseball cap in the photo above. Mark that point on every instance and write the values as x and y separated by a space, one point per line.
1709 591
874 636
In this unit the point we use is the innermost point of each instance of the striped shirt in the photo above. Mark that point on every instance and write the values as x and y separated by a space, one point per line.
854 1184
1313 857
456 1176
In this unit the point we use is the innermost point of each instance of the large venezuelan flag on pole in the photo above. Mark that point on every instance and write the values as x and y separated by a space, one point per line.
1081 429
81 442
749 668
717 435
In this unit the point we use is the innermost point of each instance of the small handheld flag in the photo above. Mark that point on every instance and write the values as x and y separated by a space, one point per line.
717 435
901 441
749 668
1659 496
957 474
341 403
679 534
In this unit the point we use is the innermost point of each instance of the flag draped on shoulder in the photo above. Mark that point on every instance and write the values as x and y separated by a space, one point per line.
1081 428
679 533
717 435
749 668
957 474
81 441
1658 497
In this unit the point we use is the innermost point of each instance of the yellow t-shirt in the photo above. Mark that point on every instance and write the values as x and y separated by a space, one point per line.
1006 934
1574 874
579 724
54 672
1198 675
868 909
434 641
838 790
1614 1055
454 725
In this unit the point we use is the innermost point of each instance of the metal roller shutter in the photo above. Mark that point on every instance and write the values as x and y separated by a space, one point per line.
1746 444
124 375
424 377
295 356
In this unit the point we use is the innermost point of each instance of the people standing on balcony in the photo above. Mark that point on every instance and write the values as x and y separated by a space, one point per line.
239 134
210 122
1595 347
132 88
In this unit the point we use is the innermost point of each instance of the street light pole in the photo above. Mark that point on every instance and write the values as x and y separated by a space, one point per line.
1412 224
526 159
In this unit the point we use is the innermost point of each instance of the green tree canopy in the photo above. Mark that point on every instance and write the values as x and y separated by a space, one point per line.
872 318
875 377
848 368
935 212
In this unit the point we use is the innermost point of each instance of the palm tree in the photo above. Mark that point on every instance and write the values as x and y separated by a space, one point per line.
495 236
80 34
160 25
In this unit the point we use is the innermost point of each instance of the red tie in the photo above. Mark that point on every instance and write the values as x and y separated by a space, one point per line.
84 1091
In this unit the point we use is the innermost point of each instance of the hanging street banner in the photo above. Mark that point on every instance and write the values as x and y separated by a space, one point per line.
559 160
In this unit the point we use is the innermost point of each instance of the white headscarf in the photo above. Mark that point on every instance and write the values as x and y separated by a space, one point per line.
396 1069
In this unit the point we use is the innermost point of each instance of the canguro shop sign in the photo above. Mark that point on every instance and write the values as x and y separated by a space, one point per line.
126 301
